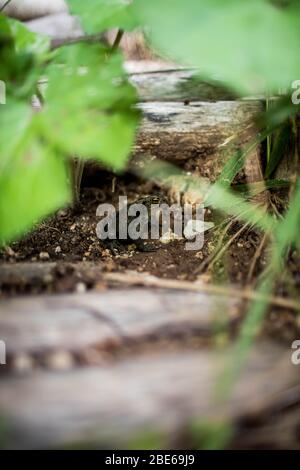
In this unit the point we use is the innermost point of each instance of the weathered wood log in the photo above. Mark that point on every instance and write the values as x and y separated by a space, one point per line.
119 316
176 132
59 27
22 275
115 407
175 85
203 132
31 9
27 274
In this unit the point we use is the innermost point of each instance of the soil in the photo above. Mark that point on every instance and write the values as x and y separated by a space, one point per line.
63 254
67 241
70 237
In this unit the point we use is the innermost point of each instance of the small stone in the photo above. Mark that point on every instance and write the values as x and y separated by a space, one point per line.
73 227
80 288
44 255
169 236
58 249
9 251
48 279
59 360
106 253
22 363
92 356
62 213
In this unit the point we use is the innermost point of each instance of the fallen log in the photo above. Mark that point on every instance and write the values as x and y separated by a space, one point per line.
161 395
203 133
113 317
27 274
174 84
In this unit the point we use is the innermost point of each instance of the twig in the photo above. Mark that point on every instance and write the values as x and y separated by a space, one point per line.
134 278
208 260
94 38
117 40
5 5
227 245
256 256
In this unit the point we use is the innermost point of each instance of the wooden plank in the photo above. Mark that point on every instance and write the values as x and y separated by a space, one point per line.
26 274
113 317
175 85
203 132
111 407
59 26
25 10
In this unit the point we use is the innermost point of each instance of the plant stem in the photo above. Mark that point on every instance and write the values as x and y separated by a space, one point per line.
117 40
5 5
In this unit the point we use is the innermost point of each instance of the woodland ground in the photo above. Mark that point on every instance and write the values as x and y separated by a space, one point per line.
69 238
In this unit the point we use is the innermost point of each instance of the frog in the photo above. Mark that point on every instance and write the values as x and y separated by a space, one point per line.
118 245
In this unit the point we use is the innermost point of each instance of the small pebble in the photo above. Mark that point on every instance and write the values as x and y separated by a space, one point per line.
62 213
44 255
22 363
48 278
58 249
59 360
80 288
10 251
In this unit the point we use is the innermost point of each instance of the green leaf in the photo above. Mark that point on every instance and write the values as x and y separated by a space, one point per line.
33 178
15 117
21 56
29 42
282 140
100 15
33 185
252 46
89 105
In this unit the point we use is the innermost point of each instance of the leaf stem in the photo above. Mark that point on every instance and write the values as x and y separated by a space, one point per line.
5 5
117 40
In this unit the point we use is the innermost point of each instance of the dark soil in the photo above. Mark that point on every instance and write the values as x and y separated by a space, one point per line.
68 240
70 237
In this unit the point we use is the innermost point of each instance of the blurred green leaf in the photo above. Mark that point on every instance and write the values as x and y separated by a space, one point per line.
100 15
33 184
89 105
29 42
211 435
21 54
282 141
15 117
252 46
89 111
